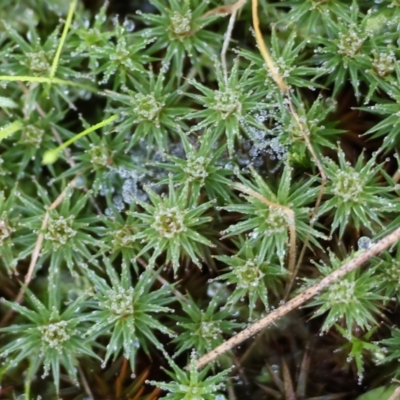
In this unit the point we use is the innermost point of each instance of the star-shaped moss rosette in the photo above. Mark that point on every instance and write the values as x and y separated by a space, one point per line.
51 336
125 310
357 194
252 276
171 224
192 384
274 217
178 27
353 300
229 110
200 169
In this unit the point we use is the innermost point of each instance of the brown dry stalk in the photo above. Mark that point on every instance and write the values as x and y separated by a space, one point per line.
231 9
395 395
317 203
264 51
121 378
227 39
85 383
226 9
396 176
360 258
36 250
285 90
290 219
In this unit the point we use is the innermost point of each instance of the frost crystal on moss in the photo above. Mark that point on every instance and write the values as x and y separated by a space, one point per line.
5 229
341 292
180 24
248 275
350 42
276 220
392 272
226 102
146 107
119 301
54 335
32 135
196 167
59 230
122 238
348 185
37 62
282 67
121 51
99 155
210 329
384 63
169 222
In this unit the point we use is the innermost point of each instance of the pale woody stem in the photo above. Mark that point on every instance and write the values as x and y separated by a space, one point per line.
349 266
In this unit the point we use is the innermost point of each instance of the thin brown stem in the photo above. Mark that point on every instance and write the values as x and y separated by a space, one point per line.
36 251
85 384
395 395
396 176
360 258
120 379
285 90
264 51
227 39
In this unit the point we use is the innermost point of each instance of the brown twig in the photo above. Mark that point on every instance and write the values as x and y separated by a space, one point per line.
264 51
396 176
36 250
230 9
285 90
302 298
226 9
85 384
120 379
395 395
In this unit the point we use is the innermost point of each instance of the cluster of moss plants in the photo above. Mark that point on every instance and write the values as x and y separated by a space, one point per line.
173 171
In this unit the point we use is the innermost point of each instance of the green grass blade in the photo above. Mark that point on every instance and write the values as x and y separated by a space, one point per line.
63 37
51 156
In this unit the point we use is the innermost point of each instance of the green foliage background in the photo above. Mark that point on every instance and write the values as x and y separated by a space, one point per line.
154 255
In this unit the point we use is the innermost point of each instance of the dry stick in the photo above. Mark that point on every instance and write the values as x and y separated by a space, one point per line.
226 9
228 35
396 176
395 395
349 266
120 379
36 250
317 203
264 51
85 384
285 90
230 390
290 219
232 9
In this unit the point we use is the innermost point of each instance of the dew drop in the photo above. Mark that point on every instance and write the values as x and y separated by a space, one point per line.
129 25
364 243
